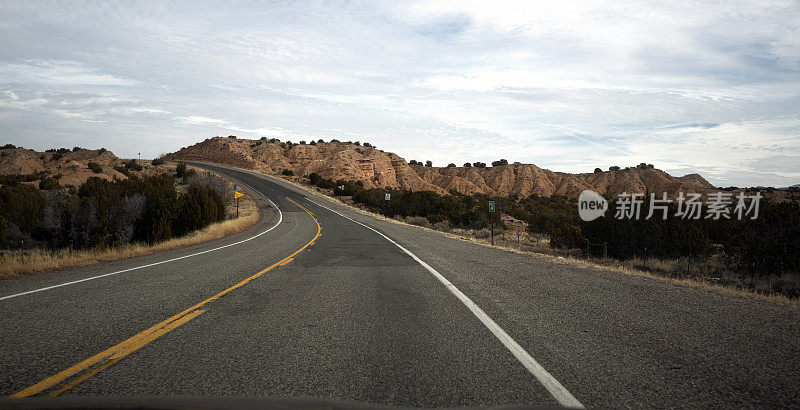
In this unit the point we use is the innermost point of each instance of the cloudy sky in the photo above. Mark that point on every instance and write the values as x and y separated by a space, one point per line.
708 87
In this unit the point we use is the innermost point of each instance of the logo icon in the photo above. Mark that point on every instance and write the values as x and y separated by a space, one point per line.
591 205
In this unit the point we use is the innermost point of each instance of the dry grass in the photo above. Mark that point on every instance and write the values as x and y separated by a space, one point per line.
38 260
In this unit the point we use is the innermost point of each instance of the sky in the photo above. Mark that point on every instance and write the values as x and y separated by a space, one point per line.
707 87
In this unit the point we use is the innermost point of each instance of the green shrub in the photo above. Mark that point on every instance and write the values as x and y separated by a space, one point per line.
95 167
287 172
180 170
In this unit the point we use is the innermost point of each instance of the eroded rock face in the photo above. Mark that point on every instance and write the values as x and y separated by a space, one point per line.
70 168
377 169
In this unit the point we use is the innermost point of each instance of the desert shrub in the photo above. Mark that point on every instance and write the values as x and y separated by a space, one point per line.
132 165
180 170
451 165
159 160
500 162
418 221
467 165
443 226
479 165
95 167
597 170
232 136
47 184
287 172
428 163
196 208
8 146
101 150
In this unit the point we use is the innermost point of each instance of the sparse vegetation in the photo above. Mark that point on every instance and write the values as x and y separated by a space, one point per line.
287 172
95 167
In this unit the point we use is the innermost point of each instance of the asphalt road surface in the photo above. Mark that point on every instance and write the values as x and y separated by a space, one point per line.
317 300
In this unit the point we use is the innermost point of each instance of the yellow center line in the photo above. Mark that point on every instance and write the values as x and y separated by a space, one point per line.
78 373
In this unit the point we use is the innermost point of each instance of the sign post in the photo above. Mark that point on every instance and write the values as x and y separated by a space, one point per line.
236 196
388 196
491 219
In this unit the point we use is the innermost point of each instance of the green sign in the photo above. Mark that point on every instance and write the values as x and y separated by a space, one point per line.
491 206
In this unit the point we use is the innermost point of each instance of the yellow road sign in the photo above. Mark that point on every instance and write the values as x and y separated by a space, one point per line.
237 194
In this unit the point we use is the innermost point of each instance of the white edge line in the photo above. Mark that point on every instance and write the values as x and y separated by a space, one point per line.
559 392
280 219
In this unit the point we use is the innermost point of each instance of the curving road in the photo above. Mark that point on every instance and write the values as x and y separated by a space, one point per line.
319 301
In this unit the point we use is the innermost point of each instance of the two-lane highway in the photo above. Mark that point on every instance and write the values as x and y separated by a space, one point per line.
317 306
320 301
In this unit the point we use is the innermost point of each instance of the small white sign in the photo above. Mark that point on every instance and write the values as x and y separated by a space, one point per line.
388 196
341 187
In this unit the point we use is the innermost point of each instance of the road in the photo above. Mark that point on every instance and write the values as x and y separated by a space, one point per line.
318 300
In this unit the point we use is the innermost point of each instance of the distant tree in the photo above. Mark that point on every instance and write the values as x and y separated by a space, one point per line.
368 145
650 166
428 163
320 141
231 136
312 142
451 165
413 162
95 167
467 165
76 149
264 139
47 184
500 162
8 146
613 168
335 140
287 172
597 170
180 170
357 143
479 165
101 150
158 160
302 142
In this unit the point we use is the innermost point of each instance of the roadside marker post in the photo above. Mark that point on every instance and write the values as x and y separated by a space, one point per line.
388 196
491 220
236 196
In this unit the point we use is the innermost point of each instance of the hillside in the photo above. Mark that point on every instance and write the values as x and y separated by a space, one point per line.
69 168
375 168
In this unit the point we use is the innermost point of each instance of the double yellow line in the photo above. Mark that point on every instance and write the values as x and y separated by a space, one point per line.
71 377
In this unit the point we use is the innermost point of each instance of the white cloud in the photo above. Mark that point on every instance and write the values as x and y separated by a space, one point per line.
704 87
